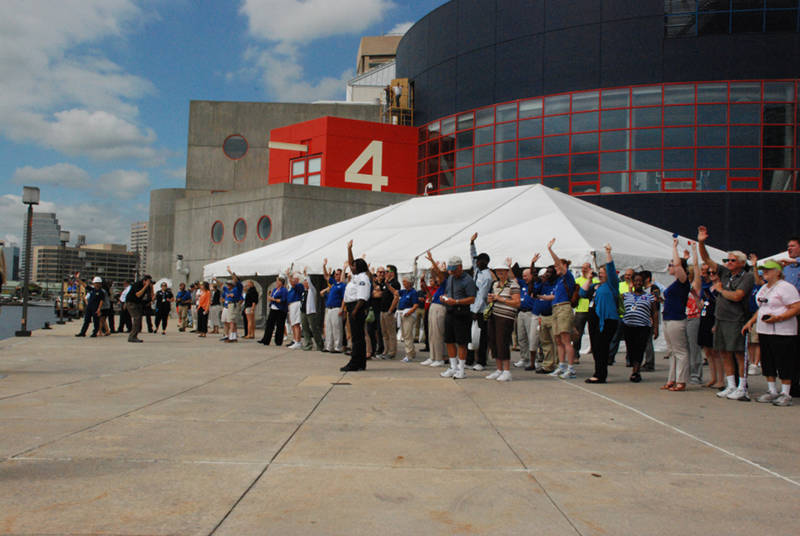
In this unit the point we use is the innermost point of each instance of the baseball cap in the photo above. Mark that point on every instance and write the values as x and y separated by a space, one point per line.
499 266
770 265
97 280
454 262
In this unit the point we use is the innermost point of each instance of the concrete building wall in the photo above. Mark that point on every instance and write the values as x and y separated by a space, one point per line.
292 209
160 259
211 123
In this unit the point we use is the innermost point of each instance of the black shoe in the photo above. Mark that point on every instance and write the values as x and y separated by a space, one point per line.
636 377
543 371
531 367
351 368
135 340
93 335
594 380
80 334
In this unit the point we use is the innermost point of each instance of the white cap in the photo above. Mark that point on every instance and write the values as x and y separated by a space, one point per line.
97 279
500 266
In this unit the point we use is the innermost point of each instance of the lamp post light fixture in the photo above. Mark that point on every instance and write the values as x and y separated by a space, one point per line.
63 237
30 197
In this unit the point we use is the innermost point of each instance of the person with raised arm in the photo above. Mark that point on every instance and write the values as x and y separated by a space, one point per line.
732 288
603 319
232 298
640 322
674 312
357 294
436 315
333 309
563 315
527 321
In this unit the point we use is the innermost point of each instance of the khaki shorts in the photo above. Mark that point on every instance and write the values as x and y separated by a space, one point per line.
728 336
231 312
563 318
752 335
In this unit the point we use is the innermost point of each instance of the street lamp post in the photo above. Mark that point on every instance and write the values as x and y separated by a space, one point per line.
63 236
30 197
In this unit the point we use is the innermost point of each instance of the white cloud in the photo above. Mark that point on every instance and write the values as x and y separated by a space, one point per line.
123 184
66 175
177 173
55 88
400 28
306 20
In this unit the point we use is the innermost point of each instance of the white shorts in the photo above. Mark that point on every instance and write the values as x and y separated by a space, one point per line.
231 312
294 313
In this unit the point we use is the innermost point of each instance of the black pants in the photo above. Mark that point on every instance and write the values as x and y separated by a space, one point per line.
372 332
636 338
147 311
580 325
377 347
483 346
161 318
358 355
427 335
244 322
275 322
124 320
601 341
94 320
109 319
202 321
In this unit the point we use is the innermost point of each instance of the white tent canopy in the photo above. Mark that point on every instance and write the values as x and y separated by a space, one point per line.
510 222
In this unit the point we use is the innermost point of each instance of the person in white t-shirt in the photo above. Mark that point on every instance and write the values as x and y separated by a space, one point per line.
357 294
778 305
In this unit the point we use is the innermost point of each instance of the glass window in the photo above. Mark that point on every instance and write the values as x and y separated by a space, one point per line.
584 163
556 165
558 104
712 136
314 165
298 167
506 131
484 116
646 160
464 176
505 151
712 158
314 180
217 232
484 173
647 96
778 113
421 152
614 161
712 92
680 25
778 135
678 115
647 138
433 129
778 179
613 119
484 135
743 172
747 135
530 108
557 183
742 157
528 181
583 143
556 125
530 147
615 98
585 101
745 185
530 128
506 112
448 125
484 154
530 168
264 227
585 121
611 141
778 157
556 145
745 113
712 114
466 121
678 158
446 161
447 143
464 158
745 91
587 188
647 117
613 182
713 23
433 165
464 139
679 137
679 94
234 147
679 185
709 179
750 21
505 171
483 186
645 181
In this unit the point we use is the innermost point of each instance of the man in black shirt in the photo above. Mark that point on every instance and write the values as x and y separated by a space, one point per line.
139 297
388 305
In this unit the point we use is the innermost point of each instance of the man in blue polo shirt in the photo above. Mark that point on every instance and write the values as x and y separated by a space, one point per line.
334 295
563 316
543 308
407 305
294 297
183 301
232 297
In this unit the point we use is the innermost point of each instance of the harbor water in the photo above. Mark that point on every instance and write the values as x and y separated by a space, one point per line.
10 317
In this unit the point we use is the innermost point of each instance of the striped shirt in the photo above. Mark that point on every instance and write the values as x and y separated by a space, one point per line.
506 292
638 309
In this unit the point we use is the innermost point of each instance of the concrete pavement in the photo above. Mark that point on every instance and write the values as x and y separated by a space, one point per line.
182 435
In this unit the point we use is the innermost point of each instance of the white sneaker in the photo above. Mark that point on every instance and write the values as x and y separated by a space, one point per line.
768 397
295 345
407 359
725 392
557 372
493 375
427 362
505 376
739 394
477 366
521 363
753 370
459 375
783 400
449 373
568 375
437 363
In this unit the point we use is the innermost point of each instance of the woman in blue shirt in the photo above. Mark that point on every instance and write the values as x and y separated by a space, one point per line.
278 307
603 314
675 298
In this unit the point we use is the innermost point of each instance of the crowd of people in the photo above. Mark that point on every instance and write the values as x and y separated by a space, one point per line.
736 318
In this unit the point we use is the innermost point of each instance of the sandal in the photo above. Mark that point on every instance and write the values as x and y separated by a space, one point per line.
678 387
594 380
636 377
667 386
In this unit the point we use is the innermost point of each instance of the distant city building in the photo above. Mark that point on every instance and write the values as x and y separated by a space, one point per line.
11 254
375 50
45 231
138 243
112 262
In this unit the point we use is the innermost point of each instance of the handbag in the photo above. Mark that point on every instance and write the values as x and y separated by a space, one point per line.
370 316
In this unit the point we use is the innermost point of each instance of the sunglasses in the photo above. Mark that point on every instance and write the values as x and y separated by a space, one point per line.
729 260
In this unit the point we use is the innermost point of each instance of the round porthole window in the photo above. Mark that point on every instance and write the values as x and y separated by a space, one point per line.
239 230
264 227
235 146
217 230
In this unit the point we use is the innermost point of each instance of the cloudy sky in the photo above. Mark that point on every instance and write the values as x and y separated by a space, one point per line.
94 94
